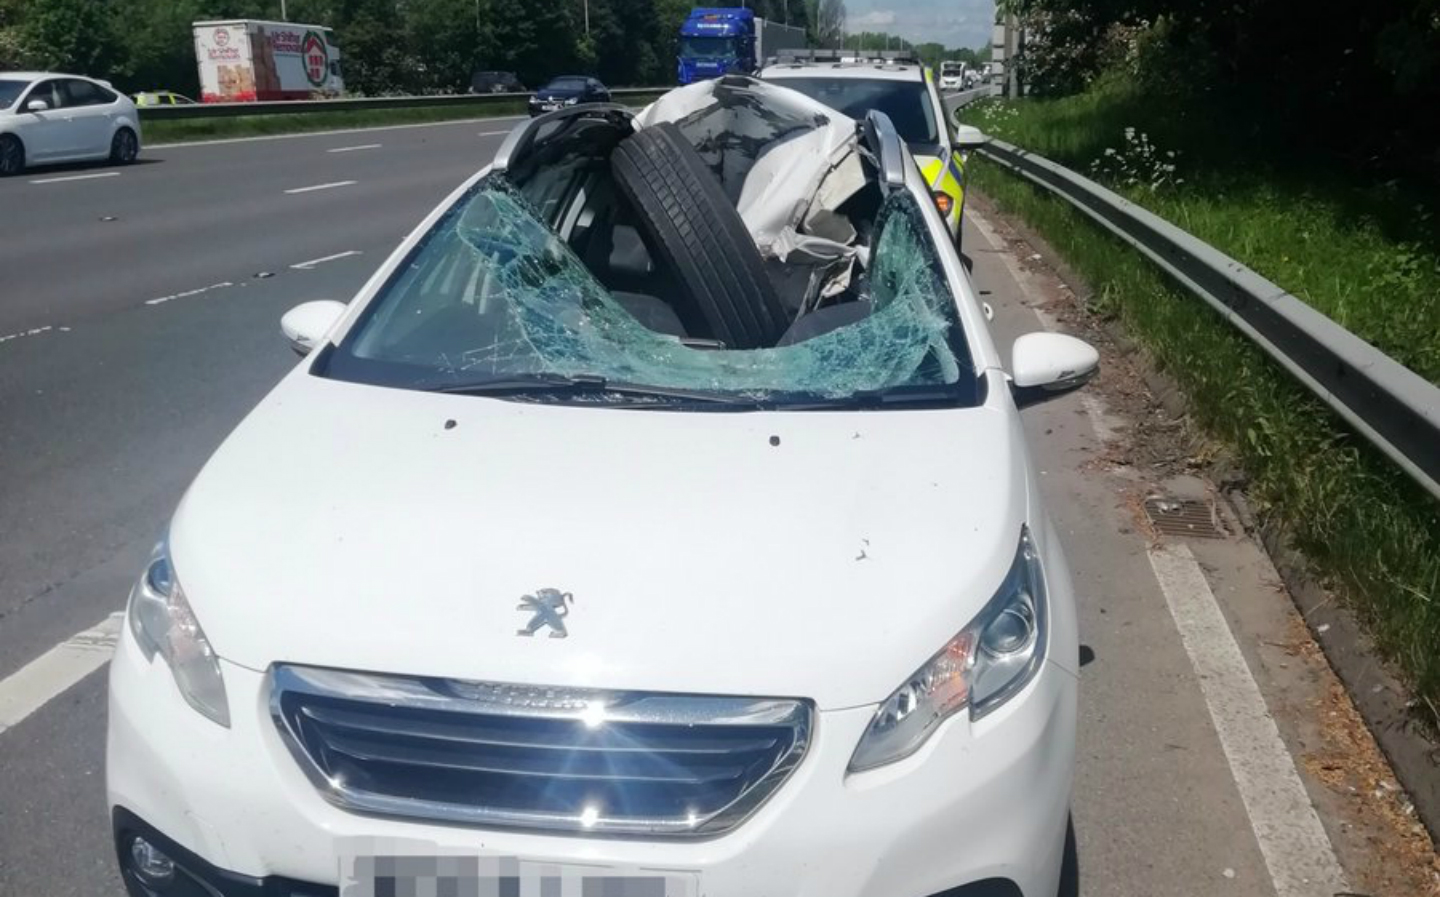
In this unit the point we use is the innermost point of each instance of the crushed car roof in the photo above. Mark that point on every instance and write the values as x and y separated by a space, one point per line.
859 291
873 70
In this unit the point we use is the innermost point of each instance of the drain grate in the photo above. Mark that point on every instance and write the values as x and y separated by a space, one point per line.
1177 517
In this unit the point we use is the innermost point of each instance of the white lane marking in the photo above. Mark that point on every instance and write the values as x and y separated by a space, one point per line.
330 186
1100 421
1297 851
1018 274
424 124
306 266
49 675
77 177
33 331
354 149
1046 319
214 286
491 133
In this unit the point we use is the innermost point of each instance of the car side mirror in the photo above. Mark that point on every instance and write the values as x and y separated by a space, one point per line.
37 106
306 324
968 137
1044 366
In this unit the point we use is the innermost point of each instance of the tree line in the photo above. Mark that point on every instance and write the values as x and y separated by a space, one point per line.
388 46
1360 78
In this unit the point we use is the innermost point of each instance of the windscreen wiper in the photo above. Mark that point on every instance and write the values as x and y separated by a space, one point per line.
876 398
583 384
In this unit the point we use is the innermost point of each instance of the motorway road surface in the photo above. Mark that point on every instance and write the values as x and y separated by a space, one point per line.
130 347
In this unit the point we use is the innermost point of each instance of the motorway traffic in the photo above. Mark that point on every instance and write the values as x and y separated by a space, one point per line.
139 315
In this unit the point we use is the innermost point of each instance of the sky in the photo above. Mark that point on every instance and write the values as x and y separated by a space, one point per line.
955 23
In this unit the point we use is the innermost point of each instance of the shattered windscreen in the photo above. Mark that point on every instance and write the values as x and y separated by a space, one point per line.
493 294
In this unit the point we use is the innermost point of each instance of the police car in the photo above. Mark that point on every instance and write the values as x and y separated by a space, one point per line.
162 98
902 88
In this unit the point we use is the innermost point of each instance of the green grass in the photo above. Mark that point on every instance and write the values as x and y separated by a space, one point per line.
1372 533
1367 254
183 130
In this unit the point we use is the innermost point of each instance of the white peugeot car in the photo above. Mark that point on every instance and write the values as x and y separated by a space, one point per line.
49 118
657 520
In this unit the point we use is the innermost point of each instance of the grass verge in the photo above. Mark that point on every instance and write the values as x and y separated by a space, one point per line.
1372 533
1363 250
185 130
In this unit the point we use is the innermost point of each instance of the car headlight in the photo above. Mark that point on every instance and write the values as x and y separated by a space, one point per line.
988 662
164 624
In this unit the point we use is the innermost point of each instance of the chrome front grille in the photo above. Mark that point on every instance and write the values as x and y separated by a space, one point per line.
566 760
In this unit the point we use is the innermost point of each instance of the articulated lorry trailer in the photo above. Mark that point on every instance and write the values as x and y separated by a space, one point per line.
244 60
717 41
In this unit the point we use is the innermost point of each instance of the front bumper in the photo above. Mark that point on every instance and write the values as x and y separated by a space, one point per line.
193 876
982 804
540 107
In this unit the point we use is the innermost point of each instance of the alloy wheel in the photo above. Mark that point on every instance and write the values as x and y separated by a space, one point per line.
12 157
124 149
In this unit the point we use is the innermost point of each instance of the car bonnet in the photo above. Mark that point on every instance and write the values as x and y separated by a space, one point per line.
358 527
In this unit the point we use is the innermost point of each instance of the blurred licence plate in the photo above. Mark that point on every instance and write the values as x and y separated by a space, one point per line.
475 876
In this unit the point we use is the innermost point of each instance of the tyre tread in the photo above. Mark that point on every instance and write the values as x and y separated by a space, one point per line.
700 235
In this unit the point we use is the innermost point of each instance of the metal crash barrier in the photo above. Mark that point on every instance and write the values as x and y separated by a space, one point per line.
1395 409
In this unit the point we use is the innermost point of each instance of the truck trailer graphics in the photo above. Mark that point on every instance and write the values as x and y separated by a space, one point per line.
246 60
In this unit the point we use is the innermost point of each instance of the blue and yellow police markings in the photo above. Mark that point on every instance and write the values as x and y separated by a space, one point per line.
946 176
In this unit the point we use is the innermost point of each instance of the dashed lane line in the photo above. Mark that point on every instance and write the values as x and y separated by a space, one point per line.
1296 848
77 177
312 188
355 149
52 673
161 300
33 331
310 265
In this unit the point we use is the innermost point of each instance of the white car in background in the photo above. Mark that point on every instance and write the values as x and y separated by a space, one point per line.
48 118
952 75
659 510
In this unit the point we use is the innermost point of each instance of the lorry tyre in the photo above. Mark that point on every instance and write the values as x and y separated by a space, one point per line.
124 147
693 227
12 155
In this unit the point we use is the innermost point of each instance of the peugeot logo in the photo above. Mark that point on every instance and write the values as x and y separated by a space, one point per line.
548 607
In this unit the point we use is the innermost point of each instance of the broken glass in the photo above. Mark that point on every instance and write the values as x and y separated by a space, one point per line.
494 292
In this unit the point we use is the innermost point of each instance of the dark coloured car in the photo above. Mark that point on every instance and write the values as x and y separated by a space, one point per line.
568 90
496 82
